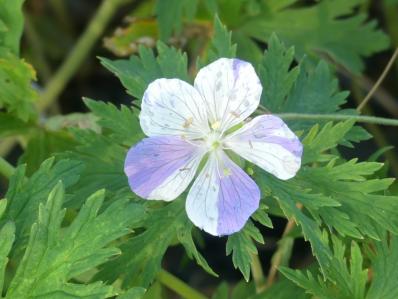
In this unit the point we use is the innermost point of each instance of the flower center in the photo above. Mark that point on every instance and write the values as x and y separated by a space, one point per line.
213 141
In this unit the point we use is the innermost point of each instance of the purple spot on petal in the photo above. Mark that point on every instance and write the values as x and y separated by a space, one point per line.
238 198
236 65
149 163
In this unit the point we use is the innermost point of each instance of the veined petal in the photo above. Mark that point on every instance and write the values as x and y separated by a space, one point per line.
223 197
231 90
173 107
268 142
162 167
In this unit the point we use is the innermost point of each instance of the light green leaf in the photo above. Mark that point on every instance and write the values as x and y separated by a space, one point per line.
55 255
11 24
7 236
16 93
24 194
133 293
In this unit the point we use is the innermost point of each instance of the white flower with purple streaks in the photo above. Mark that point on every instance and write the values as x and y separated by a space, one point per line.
187 123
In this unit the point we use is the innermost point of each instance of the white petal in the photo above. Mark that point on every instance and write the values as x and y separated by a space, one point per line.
267 142
173 107
231 90
223 197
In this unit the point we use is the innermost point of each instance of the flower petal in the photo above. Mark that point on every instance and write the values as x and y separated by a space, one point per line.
223 197
268 142
231 90
173 107
162 167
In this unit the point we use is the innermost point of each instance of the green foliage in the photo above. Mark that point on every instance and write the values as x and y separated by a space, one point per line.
171 13
137 72
25 195
7 236
11 24
142 255
59 244
384 258
55 254
242 247
324 29
344 282
295 89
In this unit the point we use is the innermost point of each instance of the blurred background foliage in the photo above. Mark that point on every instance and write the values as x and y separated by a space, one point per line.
62 40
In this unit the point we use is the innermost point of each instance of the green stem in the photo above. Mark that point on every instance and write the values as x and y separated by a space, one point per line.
80 51
6 169
178 286
258 274
339 117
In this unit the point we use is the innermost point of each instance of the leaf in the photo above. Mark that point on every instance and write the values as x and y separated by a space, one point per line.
11 125
384 258
170 14
137 72
55 255
142 255
222 292
282 289
220 44
327 28
7 236
43 144
11 24
276 75
24 195
133 293
343 282
297 89
126 130
242 247
16 93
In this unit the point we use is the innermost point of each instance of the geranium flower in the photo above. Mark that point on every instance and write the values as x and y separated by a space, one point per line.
187 124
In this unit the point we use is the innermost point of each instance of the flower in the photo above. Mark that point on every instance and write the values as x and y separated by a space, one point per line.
186 124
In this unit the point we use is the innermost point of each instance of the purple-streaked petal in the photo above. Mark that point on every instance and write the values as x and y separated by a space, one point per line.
223 197
268 142
162 167
173 107
231 90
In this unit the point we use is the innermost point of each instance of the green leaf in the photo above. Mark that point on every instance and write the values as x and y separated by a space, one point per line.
222 292
326 28
137 72
282 289
7 236
133 293
296 89
384 258
220 44
276 75
24 194
55 255
142 255
11 24
344 282
11 125
16 93
3 206
43 144
242 247
126 130
103 161
170 15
